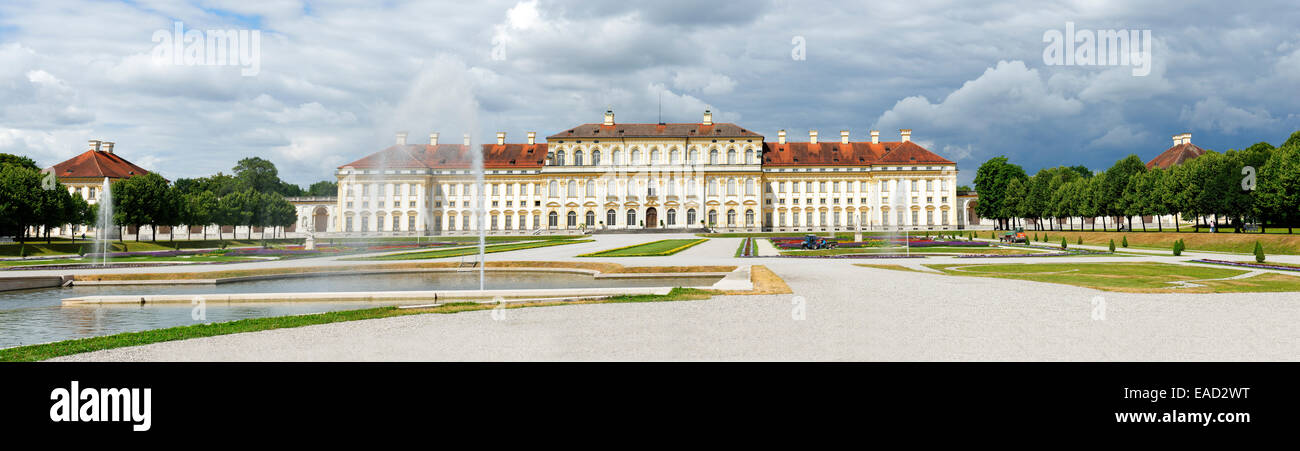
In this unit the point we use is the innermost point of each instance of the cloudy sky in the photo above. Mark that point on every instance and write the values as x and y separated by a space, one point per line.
335 80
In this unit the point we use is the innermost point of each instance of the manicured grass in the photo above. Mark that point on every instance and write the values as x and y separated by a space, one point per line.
651 249
915 250
1244 243
50 350
139 259
893 267
1130 277
68 247
473 250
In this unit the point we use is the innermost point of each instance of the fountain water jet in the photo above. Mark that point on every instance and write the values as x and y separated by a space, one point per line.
105 222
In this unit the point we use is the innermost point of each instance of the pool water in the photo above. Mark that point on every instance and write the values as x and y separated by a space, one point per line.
38 316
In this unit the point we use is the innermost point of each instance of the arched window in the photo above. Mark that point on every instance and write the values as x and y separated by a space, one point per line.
713 156
631 188
591 188
618 157
731 156
653 188
550 159
553 219
573 189
654 156
591 218
672 187
636 157
750 188
559 158
553 188
713 217
611 188
693 157
731 217
749 156
631 217
749 217
731 187
672 217
611 217
711 187
572 218
690 216
595 158
577 158
674 157
690 187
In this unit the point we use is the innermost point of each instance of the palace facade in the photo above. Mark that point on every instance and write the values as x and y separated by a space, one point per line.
610 175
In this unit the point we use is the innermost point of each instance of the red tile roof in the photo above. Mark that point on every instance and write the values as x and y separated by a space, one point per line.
835 153
454 156
682 130
1176 155
96 164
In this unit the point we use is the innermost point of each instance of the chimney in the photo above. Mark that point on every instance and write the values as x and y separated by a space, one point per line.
532 138
1187 138
94 144
433 139
844 136
401 138
708 117
906 134
108 147
609 117
501 138
812 136
875 136
467 140
780 137
1178 139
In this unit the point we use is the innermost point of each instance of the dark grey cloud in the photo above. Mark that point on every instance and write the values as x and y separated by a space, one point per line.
338 78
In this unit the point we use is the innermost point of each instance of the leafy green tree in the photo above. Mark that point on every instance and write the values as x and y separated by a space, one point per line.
258 174
1117 179
238 209
18 160
1278 187
201 208
991 182
326 188
20 196
1259 252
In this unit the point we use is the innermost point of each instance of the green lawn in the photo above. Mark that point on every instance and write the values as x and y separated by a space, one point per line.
1131 277
915 250
67 247
473 250
1223 241
652 249
38 352
139 259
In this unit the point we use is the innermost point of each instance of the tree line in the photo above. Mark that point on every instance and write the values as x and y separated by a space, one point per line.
253 196
1259 184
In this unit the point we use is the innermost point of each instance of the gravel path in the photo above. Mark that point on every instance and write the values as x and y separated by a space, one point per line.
850 313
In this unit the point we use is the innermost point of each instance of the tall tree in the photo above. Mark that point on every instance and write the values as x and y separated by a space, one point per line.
7 159
201 209
257 174
991 180
1117 178
326 188
1279 184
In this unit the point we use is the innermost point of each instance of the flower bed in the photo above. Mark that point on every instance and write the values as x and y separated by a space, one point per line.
1247 264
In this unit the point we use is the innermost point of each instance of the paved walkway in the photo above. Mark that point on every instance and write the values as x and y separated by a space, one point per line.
848 313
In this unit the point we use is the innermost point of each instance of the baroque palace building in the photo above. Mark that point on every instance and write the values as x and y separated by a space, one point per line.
613 176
